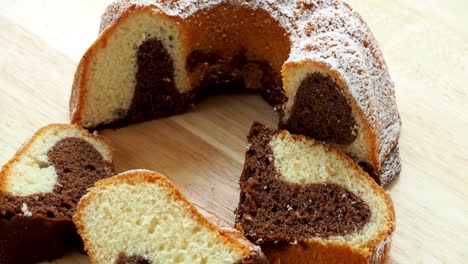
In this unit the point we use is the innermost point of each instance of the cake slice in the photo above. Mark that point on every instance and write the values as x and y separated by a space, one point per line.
141 217
40 188
305 202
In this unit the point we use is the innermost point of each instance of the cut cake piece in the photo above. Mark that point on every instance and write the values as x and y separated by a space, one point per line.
140 216
40 188
306 202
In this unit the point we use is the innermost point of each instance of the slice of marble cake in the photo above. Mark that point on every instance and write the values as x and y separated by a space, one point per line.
40 188
306 202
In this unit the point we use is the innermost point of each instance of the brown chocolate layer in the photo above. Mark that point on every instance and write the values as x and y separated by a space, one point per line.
321 111
34 239
50 231
367 167
155 93
272 211
134 259
198 57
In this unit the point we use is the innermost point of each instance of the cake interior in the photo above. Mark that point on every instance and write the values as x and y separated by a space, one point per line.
322 111
172 64
30 210
226 51
78 166
311 194
164 229
51 177
162 65
155 94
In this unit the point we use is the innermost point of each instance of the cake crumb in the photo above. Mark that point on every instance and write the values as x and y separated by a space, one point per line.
24 209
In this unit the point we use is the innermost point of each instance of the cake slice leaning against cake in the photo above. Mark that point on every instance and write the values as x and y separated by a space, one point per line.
140 216
40 188
305 202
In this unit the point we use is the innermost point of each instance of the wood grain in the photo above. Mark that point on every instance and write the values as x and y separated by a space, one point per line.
425 44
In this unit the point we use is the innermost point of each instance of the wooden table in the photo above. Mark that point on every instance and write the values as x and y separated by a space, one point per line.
425 43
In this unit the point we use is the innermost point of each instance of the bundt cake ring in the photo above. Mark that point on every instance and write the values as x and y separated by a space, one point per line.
315 61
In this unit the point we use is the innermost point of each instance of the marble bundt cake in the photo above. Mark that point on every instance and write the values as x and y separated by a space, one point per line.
315 61
306 202
150 221
40 188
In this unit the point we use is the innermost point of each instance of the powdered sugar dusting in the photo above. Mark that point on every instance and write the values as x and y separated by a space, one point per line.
327 31
337 36
288 13
390 166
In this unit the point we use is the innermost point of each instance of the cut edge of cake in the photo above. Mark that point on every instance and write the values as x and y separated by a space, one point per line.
368 245
38 191
152 188
120 39
31 159
364 148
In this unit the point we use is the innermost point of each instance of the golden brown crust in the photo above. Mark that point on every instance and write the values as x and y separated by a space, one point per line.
25 148
322 253
256 257
77 93
230 235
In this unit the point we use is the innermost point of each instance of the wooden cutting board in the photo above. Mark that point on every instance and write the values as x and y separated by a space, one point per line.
425 43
